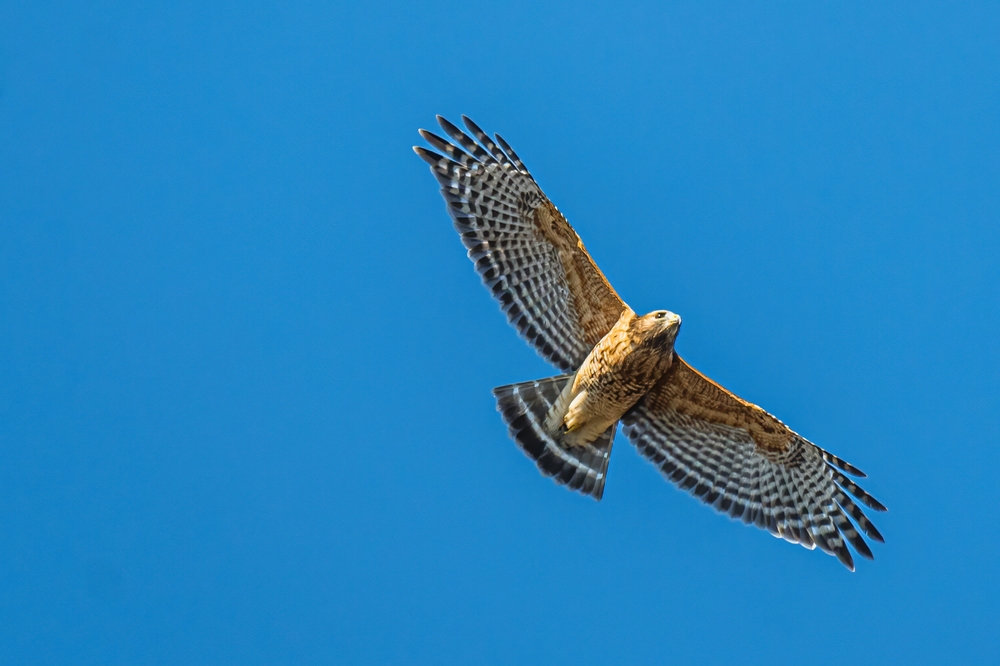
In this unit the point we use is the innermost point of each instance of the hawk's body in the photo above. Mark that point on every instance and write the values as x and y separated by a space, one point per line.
622 367
619 370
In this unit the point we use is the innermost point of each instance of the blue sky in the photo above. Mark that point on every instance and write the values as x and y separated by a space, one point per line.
245 371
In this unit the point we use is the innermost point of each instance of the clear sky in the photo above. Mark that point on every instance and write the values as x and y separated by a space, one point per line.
245 368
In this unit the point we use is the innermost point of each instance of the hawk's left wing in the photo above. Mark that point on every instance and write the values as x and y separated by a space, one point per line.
742 461
524 249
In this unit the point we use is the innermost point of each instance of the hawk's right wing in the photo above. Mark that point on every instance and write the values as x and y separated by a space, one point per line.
524 249
742 461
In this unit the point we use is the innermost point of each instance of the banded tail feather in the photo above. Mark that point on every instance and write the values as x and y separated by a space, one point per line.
524 408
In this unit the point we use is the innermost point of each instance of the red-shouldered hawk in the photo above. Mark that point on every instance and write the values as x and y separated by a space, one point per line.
622 367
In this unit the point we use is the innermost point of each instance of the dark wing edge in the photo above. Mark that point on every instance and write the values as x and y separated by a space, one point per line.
524 250
799 494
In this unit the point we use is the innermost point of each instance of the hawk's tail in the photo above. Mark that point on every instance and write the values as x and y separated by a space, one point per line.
524 408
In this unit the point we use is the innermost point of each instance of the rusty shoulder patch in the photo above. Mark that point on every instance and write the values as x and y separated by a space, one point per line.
687 391
596 304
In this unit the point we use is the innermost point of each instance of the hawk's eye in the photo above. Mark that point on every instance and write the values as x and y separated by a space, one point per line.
661 315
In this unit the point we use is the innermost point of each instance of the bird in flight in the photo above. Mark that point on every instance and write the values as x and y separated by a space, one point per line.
621 367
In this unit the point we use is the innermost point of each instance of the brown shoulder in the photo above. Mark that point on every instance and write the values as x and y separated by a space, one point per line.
686 391
597 305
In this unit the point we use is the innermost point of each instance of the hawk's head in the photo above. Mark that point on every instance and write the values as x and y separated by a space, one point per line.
657 329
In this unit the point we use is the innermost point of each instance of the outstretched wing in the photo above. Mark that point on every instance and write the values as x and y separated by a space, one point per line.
742 461
524 249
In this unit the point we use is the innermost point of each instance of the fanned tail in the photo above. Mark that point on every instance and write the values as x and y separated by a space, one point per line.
524 408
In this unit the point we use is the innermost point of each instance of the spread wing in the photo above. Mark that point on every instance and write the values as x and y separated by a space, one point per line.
524 249
744 462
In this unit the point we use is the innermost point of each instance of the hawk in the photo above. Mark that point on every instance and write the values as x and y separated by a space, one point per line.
620 367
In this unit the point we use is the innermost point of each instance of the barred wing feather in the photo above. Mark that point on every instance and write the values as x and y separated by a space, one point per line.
527 254
745 463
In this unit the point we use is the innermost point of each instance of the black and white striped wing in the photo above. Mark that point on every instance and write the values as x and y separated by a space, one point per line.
526 252
801 495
